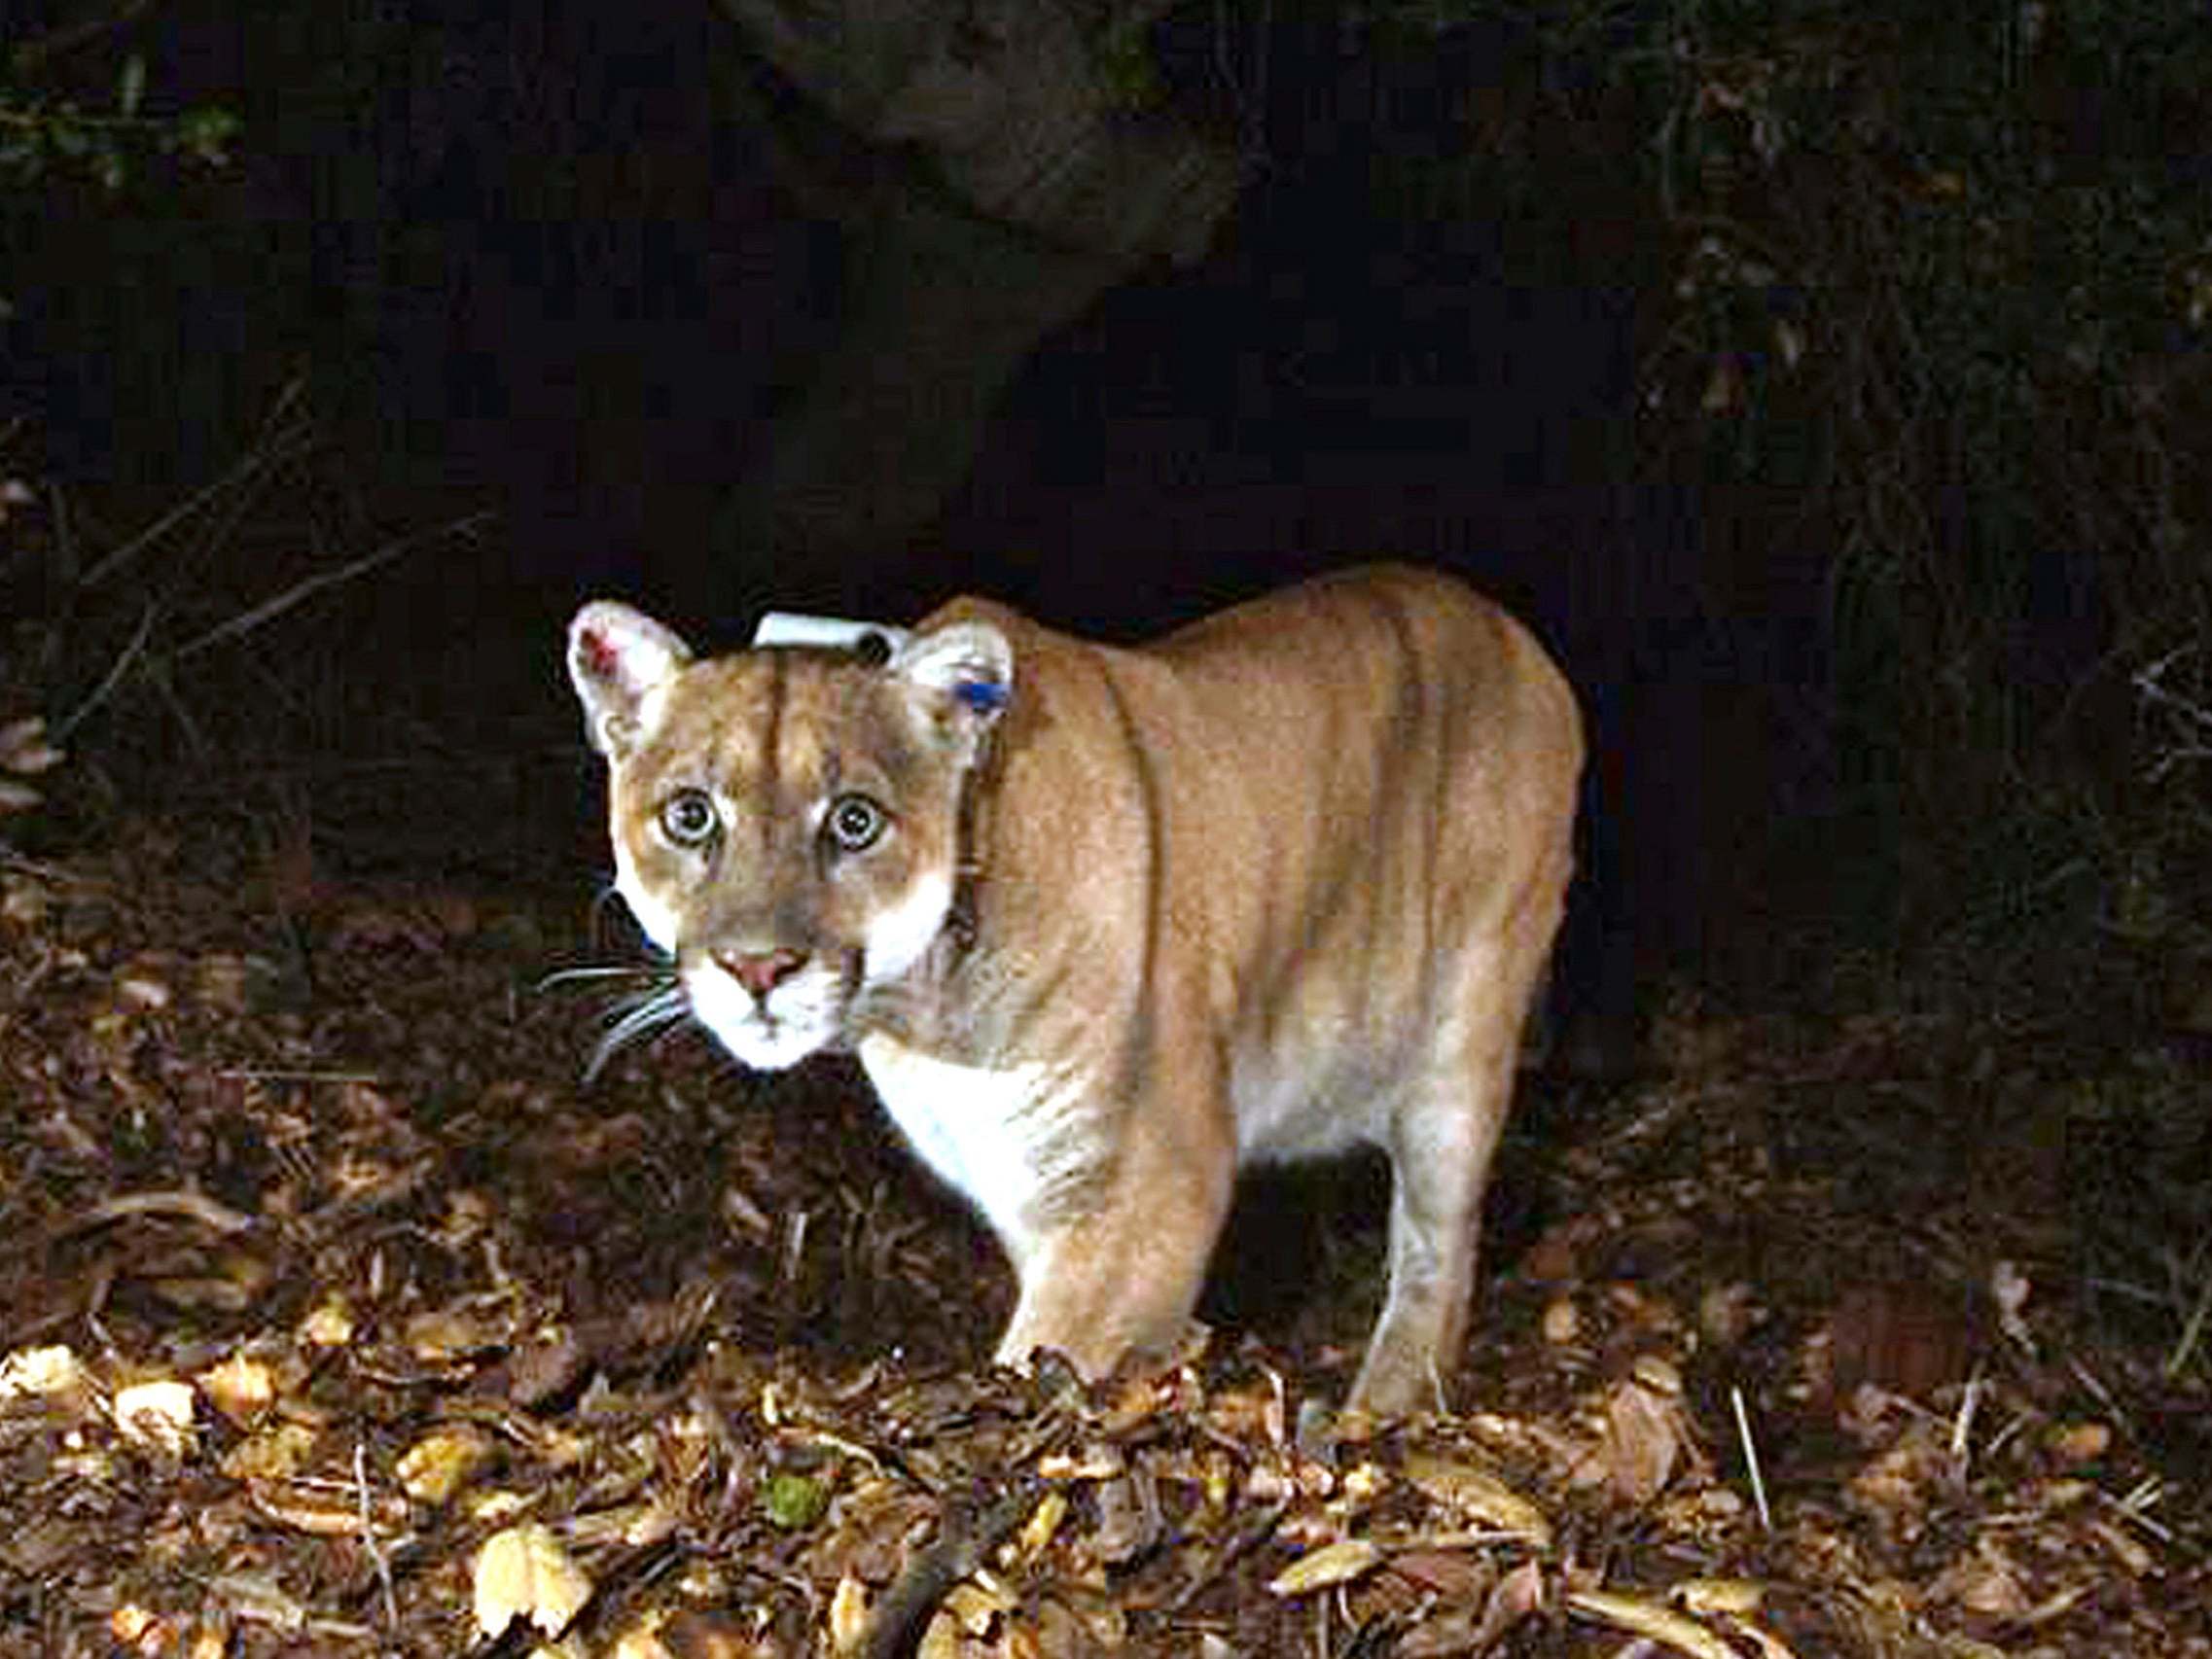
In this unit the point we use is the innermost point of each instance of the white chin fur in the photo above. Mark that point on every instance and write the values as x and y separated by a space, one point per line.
804 1015
903 934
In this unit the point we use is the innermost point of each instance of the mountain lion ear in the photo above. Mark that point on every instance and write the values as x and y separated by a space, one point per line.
616 655
969 663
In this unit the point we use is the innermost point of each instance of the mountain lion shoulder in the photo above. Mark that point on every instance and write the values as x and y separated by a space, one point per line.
1103 925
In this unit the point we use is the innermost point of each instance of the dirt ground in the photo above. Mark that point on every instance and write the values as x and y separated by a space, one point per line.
339 1315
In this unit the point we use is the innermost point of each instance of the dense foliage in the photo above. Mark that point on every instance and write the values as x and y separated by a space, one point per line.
1934 310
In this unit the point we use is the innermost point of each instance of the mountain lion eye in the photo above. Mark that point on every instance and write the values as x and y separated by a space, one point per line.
854 823
687 818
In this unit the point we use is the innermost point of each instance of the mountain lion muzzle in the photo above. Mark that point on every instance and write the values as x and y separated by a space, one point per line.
1103 925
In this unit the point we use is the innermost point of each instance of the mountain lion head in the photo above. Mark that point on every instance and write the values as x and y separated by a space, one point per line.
786 823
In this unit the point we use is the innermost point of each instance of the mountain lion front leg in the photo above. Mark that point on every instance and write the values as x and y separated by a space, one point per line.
1120 1274
1441 1146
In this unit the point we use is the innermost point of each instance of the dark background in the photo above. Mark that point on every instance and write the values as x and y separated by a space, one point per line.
1392 349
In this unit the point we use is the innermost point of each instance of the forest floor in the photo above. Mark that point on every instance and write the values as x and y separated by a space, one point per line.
339 1315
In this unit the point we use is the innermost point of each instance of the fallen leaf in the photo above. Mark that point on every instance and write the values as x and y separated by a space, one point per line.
1044 1521
942 1640
1769 1646
1651 1372
794 1502
848 1615
1479 1496
1717 1596
2137 1560
1726 1313
157 1415
1983 1581
1334 1564
641 1642
1650 1621
1130 1518
139 1629
1644 1433
329 1325
24 749
47 1373
1463 1630
325 1510
698 1634
241 1388
259 1598
524 1572
1454 1574
1893 1488
1562 1322
435 1466
2080 1442
274 1454
444 1334
974 1605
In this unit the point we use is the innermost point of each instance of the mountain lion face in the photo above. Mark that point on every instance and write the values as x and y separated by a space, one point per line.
1103 925
793 860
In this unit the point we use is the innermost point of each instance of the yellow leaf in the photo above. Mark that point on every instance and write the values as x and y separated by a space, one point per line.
1718 1596
329 1325
1650 1621
2080 1442
976 1607
1044 1521
1479 1496
525 1571
157 1414
47 1372
241 1388
1338 1563
848 1615
1562 1322
275 1453
434 1467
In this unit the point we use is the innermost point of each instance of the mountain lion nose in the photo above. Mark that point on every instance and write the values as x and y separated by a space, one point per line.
760 972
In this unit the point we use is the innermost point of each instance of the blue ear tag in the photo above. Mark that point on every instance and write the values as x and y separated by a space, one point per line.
981 696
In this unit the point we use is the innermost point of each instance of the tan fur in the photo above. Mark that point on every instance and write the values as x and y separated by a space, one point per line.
1280 884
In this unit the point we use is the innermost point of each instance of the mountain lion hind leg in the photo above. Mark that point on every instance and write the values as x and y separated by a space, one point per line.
1442 1139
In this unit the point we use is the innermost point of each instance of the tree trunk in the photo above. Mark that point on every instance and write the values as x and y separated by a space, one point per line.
1022 187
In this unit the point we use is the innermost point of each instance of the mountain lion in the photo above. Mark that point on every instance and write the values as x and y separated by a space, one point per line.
1103 925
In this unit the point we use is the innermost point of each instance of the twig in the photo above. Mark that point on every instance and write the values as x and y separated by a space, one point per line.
1249 1537
1751 1457
276 605
181 713
2192 1334
962 1543
237 478
297 1075
53 874
2134 1506
1962 1425
285 431
111 679
2191 718
168 1201
27 59
794 1244
368 1542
